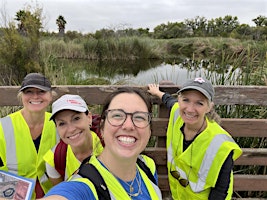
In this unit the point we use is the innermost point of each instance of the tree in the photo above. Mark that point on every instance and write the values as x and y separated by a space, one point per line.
20 47
260 21
29 22
198 26
20 17
61 22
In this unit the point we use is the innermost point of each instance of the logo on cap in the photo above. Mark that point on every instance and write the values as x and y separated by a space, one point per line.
199 80
74 102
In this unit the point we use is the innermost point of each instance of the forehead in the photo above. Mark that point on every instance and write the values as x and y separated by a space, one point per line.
128 102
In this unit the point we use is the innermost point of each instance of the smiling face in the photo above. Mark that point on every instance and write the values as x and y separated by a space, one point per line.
73 127
36 100
193 107
126 140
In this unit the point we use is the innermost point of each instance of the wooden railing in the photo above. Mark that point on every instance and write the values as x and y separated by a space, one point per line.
237 127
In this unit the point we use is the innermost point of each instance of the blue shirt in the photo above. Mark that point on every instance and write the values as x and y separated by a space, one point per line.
74 190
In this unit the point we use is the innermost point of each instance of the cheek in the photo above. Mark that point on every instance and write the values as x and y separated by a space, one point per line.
146 133
108 130
61 131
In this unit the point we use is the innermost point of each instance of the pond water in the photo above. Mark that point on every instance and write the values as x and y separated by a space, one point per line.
139 72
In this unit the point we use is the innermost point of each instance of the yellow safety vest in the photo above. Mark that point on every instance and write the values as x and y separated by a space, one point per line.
201 162
116 190
18 151
72 163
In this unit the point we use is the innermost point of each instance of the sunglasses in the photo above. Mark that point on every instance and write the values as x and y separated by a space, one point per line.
175 174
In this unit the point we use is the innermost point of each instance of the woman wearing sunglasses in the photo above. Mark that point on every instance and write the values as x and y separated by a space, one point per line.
200 152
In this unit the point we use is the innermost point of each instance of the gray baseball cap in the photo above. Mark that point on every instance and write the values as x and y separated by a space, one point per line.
200 84
35 80
68 102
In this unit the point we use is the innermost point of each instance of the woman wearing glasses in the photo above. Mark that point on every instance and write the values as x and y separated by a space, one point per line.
200 152
126 129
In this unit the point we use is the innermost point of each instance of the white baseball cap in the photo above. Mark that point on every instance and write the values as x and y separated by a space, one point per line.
68 102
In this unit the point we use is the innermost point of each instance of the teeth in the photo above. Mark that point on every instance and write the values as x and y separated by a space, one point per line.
34 102
73 136
189 116
128 140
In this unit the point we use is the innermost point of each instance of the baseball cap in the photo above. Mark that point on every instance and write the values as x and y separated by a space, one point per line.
200 84
68 102
35 80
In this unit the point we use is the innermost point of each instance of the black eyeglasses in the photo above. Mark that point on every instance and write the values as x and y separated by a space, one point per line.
117 117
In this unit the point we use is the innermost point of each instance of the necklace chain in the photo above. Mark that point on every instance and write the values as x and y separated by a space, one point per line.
131 187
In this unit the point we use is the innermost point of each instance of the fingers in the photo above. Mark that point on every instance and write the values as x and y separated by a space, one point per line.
153 85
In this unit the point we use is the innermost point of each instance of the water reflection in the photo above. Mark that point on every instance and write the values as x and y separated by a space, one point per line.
139 72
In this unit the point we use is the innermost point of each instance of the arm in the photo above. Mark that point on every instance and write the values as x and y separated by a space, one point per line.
219 192
70 190
53 174
166 98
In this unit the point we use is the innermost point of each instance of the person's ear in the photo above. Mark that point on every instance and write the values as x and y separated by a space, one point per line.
90 119
211 105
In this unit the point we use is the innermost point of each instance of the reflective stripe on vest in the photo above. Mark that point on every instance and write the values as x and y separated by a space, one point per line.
116 190
11 156
207 161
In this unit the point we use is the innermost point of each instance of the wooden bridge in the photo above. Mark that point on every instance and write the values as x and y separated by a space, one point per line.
253 157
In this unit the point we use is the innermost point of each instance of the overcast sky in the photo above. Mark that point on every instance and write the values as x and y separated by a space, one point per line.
91 15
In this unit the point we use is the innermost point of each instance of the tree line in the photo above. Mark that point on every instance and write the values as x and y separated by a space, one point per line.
227 26
20 39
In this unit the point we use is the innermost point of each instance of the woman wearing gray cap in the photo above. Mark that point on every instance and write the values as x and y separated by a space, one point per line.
73 121
200 152
26 135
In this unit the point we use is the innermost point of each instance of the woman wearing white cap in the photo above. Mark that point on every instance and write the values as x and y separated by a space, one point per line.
200 152
26 135
73 121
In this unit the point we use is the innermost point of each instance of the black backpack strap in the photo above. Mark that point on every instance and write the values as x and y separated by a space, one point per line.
145 168
1 162
89 171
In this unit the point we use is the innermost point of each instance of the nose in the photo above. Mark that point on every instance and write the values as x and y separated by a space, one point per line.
190 107
35 94
70 127
128 123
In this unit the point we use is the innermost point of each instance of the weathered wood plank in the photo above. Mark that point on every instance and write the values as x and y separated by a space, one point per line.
95 94
241 183
250 182
250 156
236 127
246 127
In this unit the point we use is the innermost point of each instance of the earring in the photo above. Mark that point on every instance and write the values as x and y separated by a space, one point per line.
90 125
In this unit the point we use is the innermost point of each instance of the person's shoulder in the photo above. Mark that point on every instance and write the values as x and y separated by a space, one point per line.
72 190
147 160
